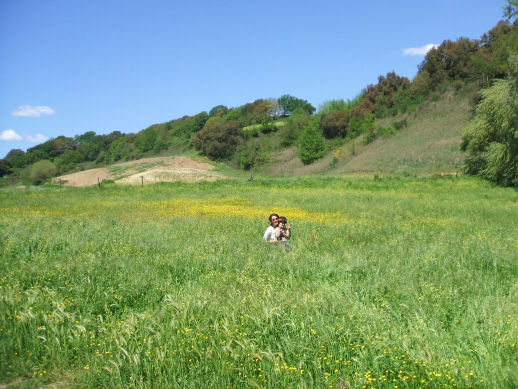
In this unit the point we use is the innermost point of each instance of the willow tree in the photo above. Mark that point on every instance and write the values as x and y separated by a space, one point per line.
491 138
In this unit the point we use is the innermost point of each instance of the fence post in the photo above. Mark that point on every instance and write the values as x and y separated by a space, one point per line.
99 182
142 179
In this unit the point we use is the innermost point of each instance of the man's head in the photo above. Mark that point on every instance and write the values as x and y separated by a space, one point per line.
273 218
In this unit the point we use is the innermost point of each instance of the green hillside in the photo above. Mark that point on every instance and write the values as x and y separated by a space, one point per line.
396 125
429 144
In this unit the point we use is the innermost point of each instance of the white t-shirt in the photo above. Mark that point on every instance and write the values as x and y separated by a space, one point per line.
269 234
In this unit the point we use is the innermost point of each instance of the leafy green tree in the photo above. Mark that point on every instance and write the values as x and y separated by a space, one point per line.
35 156
491 58
293 127
16 157
218 110
253 113
511 10
112 137
120 149
252 155
290 103
5 167
421 84
90 145
491 138
378 99
234 114
198 121
312 144
361 124
69 160
146 140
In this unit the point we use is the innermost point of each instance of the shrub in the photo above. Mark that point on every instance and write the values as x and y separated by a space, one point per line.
332 106
218 140
267 125
252 155
361 124
40 171
312 144
334 125
370 136
400 124
293 128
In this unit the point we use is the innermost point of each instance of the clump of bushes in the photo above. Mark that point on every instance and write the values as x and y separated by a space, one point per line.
39 172
218 140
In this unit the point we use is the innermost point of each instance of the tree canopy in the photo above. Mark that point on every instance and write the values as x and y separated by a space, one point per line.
492 136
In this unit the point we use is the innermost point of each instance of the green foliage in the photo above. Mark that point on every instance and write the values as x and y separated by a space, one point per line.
378 99
400 124
218 140
293 128
291 103
254 113
464 59
120 150
361 124
40 171
335 124
146 140
218 110
332 106
312 143
69 160
90 145
492 136
5 167
267 125
370 136
234 114
405 101
511 10
16 158
253 155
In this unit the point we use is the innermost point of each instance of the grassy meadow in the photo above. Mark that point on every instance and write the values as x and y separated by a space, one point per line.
392 282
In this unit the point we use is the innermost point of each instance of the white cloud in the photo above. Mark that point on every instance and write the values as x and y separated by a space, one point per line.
10 135
36 139
33 110
420 50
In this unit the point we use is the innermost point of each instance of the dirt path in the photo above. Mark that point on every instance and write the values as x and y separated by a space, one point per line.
159 169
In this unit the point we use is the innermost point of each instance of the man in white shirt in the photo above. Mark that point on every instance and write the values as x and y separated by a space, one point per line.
269 234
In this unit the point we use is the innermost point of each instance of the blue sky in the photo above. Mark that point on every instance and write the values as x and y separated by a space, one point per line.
68 67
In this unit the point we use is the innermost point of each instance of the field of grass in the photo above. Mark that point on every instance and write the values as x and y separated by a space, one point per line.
393 282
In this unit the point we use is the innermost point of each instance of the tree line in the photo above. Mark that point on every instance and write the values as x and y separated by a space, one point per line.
236 134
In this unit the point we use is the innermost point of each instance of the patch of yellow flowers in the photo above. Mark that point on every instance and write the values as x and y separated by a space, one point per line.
232 207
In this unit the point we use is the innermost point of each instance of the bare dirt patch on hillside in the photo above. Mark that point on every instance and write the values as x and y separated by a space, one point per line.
159 169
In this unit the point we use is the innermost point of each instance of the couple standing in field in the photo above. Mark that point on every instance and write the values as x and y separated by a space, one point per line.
278 231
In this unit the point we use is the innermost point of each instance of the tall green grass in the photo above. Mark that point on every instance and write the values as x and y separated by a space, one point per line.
391 282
